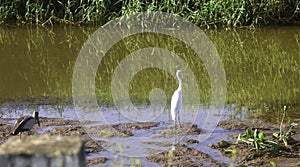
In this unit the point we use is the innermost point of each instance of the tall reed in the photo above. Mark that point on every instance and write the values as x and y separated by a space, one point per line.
202 12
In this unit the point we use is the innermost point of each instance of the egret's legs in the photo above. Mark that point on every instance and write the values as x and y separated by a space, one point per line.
176 141
178 115
175 121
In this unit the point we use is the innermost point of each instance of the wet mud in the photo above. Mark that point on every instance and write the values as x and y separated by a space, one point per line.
181 154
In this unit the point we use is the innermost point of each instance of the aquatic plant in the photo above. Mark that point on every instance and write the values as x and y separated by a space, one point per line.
255 138
259 141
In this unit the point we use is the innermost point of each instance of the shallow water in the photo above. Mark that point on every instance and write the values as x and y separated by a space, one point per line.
262 70
122 151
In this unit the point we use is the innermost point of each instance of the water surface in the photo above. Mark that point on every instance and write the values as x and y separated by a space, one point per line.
262 66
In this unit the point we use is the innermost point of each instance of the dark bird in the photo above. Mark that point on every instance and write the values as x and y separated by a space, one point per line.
25 123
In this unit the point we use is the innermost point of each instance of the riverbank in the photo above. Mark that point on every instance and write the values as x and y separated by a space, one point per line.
188 150
207 13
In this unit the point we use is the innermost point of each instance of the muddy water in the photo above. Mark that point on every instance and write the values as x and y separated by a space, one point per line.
125 148
262 73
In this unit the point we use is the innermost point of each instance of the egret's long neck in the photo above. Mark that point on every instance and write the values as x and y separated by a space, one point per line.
180 84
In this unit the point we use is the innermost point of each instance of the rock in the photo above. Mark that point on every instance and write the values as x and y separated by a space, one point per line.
43 151
224 144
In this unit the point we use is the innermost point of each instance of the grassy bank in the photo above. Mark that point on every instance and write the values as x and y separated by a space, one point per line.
202 12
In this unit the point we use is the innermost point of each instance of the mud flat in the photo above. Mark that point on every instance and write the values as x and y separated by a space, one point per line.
182 153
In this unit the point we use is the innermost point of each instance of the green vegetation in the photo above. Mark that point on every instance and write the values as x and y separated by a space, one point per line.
256 139
170 157
285 136
273 164
202 12
261 144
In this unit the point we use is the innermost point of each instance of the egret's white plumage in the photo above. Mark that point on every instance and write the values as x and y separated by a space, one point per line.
176 102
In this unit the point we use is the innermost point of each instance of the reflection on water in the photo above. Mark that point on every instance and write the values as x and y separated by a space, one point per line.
37 62
262 66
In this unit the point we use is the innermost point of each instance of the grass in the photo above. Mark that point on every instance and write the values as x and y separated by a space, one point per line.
208 13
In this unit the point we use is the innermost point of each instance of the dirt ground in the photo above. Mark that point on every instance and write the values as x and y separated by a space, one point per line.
181 154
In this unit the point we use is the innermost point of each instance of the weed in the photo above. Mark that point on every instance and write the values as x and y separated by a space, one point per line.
285 136
255 138
273 164
259 141
170 157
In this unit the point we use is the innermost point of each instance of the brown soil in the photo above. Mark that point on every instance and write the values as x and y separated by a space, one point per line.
186 128
57 122
182 155
191 141
5 130
96 161
232 125
136 126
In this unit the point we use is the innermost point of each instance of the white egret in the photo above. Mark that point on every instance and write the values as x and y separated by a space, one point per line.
176 102
26 123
